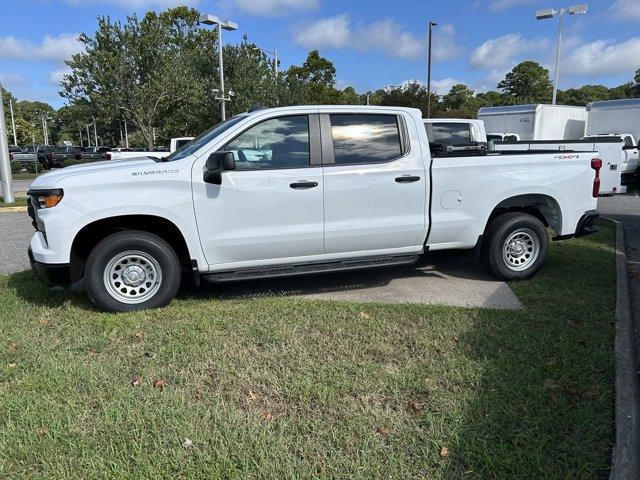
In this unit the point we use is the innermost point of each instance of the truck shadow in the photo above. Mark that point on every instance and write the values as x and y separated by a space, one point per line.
439 265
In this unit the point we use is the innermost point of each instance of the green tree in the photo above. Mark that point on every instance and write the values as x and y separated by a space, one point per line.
312 83
411 94
583 95
528 82
139 70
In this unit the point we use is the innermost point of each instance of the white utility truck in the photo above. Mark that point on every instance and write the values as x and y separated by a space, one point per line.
628 154
535 121
300 190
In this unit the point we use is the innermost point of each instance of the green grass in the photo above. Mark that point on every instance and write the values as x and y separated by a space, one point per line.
18 202
280 387
26 176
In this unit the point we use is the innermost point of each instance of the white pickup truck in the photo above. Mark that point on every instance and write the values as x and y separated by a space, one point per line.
300 190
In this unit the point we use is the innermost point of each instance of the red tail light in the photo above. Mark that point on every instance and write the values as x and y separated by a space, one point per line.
107 156
596 164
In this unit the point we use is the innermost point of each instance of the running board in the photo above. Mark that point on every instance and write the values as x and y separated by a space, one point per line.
309 268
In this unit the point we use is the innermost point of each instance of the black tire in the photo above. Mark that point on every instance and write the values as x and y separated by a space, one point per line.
153 254
500 260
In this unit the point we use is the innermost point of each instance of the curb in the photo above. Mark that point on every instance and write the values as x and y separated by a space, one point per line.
625 456
12 209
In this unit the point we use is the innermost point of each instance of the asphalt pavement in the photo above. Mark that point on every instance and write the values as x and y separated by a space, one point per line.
626 210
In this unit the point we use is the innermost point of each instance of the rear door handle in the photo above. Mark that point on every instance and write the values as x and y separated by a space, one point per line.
302 184
407 179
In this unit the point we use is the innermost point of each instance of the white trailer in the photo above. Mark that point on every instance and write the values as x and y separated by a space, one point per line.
614 117
535 121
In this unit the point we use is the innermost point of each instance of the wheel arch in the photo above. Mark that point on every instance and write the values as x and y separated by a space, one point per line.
542 206
92 233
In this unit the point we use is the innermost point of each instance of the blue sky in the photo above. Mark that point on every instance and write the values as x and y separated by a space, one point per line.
372 43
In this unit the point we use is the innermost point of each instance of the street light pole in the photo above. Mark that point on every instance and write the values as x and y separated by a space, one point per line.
126 135
431 25
88 136
208 19
95 132
13 123
5 162
550 13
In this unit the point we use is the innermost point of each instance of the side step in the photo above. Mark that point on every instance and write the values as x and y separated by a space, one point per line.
310 268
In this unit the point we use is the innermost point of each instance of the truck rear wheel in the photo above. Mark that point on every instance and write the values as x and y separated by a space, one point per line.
132 270
515 246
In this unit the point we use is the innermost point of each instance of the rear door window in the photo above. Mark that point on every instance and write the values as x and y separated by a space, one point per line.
364 138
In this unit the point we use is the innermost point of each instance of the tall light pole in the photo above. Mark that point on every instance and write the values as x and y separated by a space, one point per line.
208 19
431 25
126 135
88 136
553 12
95 132
5 162
13 123
274 54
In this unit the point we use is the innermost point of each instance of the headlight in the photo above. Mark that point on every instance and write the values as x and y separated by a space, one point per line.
46 198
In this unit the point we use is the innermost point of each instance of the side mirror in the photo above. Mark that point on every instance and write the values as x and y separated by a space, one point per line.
217 163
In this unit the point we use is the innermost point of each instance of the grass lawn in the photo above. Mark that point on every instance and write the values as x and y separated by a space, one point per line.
25 176
280 387
19 202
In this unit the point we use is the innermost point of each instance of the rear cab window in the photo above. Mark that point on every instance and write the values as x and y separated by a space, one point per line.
365 138
449 133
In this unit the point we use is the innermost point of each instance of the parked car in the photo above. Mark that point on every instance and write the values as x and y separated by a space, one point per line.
96 154
14 149
35 153
59 155
178 142
300 190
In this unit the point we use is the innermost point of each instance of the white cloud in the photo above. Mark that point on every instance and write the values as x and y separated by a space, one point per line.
133 4
331 32
603 57
56 48
442 87
497 53
275 7
383 36
625 10
56 76
498 5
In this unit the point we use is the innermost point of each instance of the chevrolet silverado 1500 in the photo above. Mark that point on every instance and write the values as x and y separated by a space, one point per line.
299 190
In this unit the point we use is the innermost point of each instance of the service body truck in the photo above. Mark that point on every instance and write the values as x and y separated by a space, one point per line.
535 121
300 190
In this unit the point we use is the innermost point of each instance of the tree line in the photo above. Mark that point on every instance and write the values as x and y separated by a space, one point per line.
158 74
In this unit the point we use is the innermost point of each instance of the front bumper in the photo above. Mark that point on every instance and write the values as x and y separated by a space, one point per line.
586 226
58 274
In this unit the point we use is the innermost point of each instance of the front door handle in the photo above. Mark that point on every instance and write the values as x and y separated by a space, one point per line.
303 184
407 179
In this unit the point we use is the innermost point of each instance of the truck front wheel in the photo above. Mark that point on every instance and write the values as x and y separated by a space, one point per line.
515 246
132 270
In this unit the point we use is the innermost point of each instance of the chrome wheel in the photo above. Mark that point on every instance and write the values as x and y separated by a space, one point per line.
132 277
521 249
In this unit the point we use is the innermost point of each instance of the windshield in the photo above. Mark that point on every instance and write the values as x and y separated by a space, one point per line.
204 138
